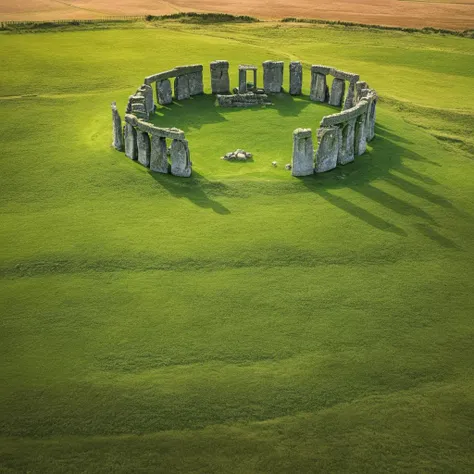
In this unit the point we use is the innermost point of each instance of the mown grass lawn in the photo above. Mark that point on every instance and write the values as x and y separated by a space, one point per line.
241 320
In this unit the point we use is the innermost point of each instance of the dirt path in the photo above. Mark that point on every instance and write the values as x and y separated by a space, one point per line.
455 14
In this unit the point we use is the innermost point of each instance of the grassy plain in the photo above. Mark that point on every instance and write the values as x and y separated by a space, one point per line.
242 320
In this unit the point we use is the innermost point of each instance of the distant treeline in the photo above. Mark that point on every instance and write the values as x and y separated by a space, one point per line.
203 18
426 30
190 17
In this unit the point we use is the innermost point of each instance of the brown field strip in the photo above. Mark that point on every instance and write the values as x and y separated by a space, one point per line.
458 14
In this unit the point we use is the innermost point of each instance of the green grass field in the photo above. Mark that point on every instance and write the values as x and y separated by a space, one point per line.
241 320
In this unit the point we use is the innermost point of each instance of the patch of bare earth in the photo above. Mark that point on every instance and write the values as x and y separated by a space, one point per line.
458 14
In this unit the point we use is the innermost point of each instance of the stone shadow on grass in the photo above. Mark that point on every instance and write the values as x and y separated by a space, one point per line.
383 161
194 189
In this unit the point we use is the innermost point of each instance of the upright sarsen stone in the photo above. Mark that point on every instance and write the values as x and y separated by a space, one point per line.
346 150
181 88
164 92
337 92
272 76
143 144
117 131
159 154
196 85
220 83
296 78
180 160
318 92
302 163
130 136
360 139
147 93
242 81
349 101
329 139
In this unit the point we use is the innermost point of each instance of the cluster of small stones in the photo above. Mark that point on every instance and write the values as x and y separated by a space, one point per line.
340 138
237 155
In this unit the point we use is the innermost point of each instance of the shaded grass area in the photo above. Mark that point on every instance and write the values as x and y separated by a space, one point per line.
241 320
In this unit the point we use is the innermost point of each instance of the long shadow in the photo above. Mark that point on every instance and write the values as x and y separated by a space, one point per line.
435 236
361 213
397 205
193 188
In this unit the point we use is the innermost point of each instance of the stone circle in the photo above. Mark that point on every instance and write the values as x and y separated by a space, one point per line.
340 137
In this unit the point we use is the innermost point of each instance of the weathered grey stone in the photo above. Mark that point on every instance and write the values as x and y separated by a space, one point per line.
185 70
173 133
196 85
296 78
177 71
144 148
220 83
180 161
318 68
359 86
371 114
272 76
349 101
329 140
242 81
302 163
345 76
337 92
248 99
161 76
345 115
318 87
117 131
159 154
139 110
163 92
360 139
130 137
147 92
181 88
346 150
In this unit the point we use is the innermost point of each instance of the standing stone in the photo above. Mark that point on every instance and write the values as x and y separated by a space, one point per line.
117 131
272 76
370 121
196 85
359 86
130 135
163 92
242 81
318 87
329 140
296 78
181 87
346 150
360 140
220 83
337 92
143 143
350 97
147 92
159 155
180 161
302 163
